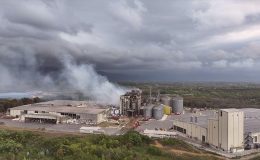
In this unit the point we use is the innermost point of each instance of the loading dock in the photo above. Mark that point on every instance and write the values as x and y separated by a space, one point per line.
41 118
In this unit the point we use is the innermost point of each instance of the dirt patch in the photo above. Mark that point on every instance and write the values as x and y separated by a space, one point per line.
180 152
253 156
41 131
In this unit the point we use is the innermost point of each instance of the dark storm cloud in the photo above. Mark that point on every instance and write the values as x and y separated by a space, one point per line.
125 39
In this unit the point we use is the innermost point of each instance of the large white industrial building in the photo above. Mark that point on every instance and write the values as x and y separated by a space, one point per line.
61 111
227 129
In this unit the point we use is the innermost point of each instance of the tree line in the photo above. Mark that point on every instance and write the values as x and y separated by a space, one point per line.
5 104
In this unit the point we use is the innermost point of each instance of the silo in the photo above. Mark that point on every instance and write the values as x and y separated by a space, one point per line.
167 110
177 105
158 112
166 100
147 111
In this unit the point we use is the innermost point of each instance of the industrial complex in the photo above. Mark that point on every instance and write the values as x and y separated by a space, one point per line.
130 103
223 129
229 130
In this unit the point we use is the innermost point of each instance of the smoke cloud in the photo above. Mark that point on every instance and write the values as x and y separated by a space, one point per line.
83 78
50 71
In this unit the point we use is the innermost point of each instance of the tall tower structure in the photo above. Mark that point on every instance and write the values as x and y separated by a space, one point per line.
231 129
130 103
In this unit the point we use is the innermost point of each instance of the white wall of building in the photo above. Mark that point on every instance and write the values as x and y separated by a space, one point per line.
231 129
225 132
192 129
15 113
213 132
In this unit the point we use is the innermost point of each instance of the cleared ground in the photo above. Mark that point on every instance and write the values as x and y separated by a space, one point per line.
67 128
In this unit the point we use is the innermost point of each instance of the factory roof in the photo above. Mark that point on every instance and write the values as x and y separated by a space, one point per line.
252 120
202 117
231 110
177 98
64 106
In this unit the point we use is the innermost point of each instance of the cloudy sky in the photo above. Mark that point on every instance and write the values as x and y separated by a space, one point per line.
169 40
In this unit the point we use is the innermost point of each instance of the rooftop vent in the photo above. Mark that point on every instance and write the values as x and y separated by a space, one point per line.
191 119
196 119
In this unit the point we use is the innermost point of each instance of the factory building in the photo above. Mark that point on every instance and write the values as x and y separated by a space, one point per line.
231 130
192 125
223 130
252 128
61 111
130 103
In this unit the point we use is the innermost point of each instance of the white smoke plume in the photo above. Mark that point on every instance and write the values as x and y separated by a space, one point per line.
56 74
84 78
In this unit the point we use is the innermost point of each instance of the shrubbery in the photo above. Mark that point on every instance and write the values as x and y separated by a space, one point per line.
178 144
154 151
131 146
25 145
5 104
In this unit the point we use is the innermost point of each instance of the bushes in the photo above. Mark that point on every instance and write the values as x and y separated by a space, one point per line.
132 145
10 146
134 138
5 104
154 151
32 146
178 144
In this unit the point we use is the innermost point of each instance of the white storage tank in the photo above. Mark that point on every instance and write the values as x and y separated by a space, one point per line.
158 112
166 100
177 105
147 111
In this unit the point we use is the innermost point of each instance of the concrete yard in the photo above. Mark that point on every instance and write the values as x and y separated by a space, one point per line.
151 124
66 128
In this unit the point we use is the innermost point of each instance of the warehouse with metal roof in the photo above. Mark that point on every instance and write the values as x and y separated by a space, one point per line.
61 111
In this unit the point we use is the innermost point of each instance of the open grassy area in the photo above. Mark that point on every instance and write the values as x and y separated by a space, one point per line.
29 145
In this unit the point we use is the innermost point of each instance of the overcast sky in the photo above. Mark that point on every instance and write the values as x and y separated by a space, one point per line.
162 40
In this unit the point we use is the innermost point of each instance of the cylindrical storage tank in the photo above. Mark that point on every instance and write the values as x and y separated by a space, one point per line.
177 105
166 100
147 112
158 112
167 110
